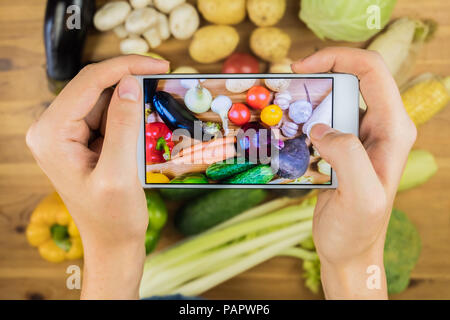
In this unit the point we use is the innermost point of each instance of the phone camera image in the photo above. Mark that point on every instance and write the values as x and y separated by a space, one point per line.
235 131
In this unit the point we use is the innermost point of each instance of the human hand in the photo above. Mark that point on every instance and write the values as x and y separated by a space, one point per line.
350 223
86 144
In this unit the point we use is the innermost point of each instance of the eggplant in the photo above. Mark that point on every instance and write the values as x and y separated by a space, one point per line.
64 41
176 116
249 143
293 159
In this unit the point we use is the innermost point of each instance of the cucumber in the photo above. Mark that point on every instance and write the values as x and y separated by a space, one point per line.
221 170
257 175
220 205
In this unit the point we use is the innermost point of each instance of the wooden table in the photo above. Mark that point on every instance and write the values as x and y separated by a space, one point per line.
24 95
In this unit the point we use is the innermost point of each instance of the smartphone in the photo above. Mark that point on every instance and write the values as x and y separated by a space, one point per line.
241 130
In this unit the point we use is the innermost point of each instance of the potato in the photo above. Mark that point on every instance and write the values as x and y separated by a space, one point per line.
270 44
213 43
222 11
266 13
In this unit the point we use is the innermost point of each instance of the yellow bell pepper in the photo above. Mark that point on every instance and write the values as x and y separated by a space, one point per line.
53 231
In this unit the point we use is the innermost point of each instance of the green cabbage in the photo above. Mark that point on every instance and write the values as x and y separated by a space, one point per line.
345 20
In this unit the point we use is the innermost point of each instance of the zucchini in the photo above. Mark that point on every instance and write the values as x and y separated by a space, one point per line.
257 175
221 170
215 207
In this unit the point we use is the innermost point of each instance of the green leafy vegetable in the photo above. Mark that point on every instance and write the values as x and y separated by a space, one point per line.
346 20
401 251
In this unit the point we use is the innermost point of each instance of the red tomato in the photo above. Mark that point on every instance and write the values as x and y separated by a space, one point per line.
241 63
258 97
239 114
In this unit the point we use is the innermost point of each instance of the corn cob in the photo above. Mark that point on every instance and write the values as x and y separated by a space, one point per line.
426 97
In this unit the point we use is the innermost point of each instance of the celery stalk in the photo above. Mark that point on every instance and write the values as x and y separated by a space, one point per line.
207 240
299 253
175 276
207 282
258 211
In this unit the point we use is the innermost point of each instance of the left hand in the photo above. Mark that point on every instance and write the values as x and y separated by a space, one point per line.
86 144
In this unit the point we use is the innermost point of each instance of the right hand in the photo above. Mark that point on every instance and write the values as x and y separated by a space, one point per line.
350 222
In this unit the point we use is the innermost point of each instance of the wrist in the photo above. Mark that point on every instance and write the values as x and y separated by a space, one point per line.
113 272
362 277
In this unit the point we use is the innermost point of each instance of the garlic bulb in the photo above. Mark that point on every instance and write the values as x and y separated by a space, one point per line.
300 111
283 99
289 129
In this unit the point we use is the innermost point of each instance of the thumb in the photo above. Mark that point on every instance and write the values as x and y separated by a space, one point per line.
347 156
122 128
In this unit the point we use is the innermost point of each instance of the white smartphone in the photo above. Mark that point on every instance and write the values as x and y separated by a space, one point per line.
241 130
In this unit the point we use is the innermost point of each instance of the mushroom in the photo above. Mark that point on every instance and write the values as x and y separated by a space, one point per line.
137 4
133 45
111 15
163 26
167 6
183 21
120 31
140 20
239 85
277 85
152 37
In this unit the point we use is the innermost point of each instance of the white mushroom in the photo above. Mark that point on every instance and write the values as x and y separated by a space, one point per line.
183 21
277 85
185 69
111 15
120 31
239 85
167 5
163 26
140 3
152 37
140 20
283 100
133 45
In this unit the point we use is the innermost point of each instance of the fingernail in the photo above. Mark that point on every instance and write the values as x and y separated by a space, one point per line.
129 89
318 131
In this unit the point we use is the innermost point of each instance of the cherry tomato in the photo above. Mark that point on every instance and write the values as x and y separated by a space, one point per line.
239 114
271 115
258 97
241 63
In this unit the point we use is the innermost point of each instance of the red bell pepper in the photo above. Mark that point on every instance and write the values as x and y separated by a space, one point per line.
158 142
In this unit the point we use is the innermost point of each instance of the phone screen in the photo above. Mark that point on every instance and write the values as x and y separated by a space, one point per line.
235 131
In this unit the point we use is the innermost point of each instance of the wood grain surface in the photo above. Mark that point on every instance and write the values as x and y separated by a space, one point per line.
24 95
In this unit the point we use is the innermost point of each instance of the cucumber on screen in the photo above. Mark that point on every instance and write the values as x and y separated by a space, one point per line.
224 169
260 174
177 194
215 207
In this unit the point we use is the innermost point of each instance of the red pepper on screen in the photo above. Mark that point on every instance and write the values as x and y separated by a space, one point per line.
158 142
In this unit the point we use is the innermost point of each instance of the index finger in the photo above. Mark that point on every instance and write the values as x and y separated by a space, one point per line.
386 127
377 85
83 91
